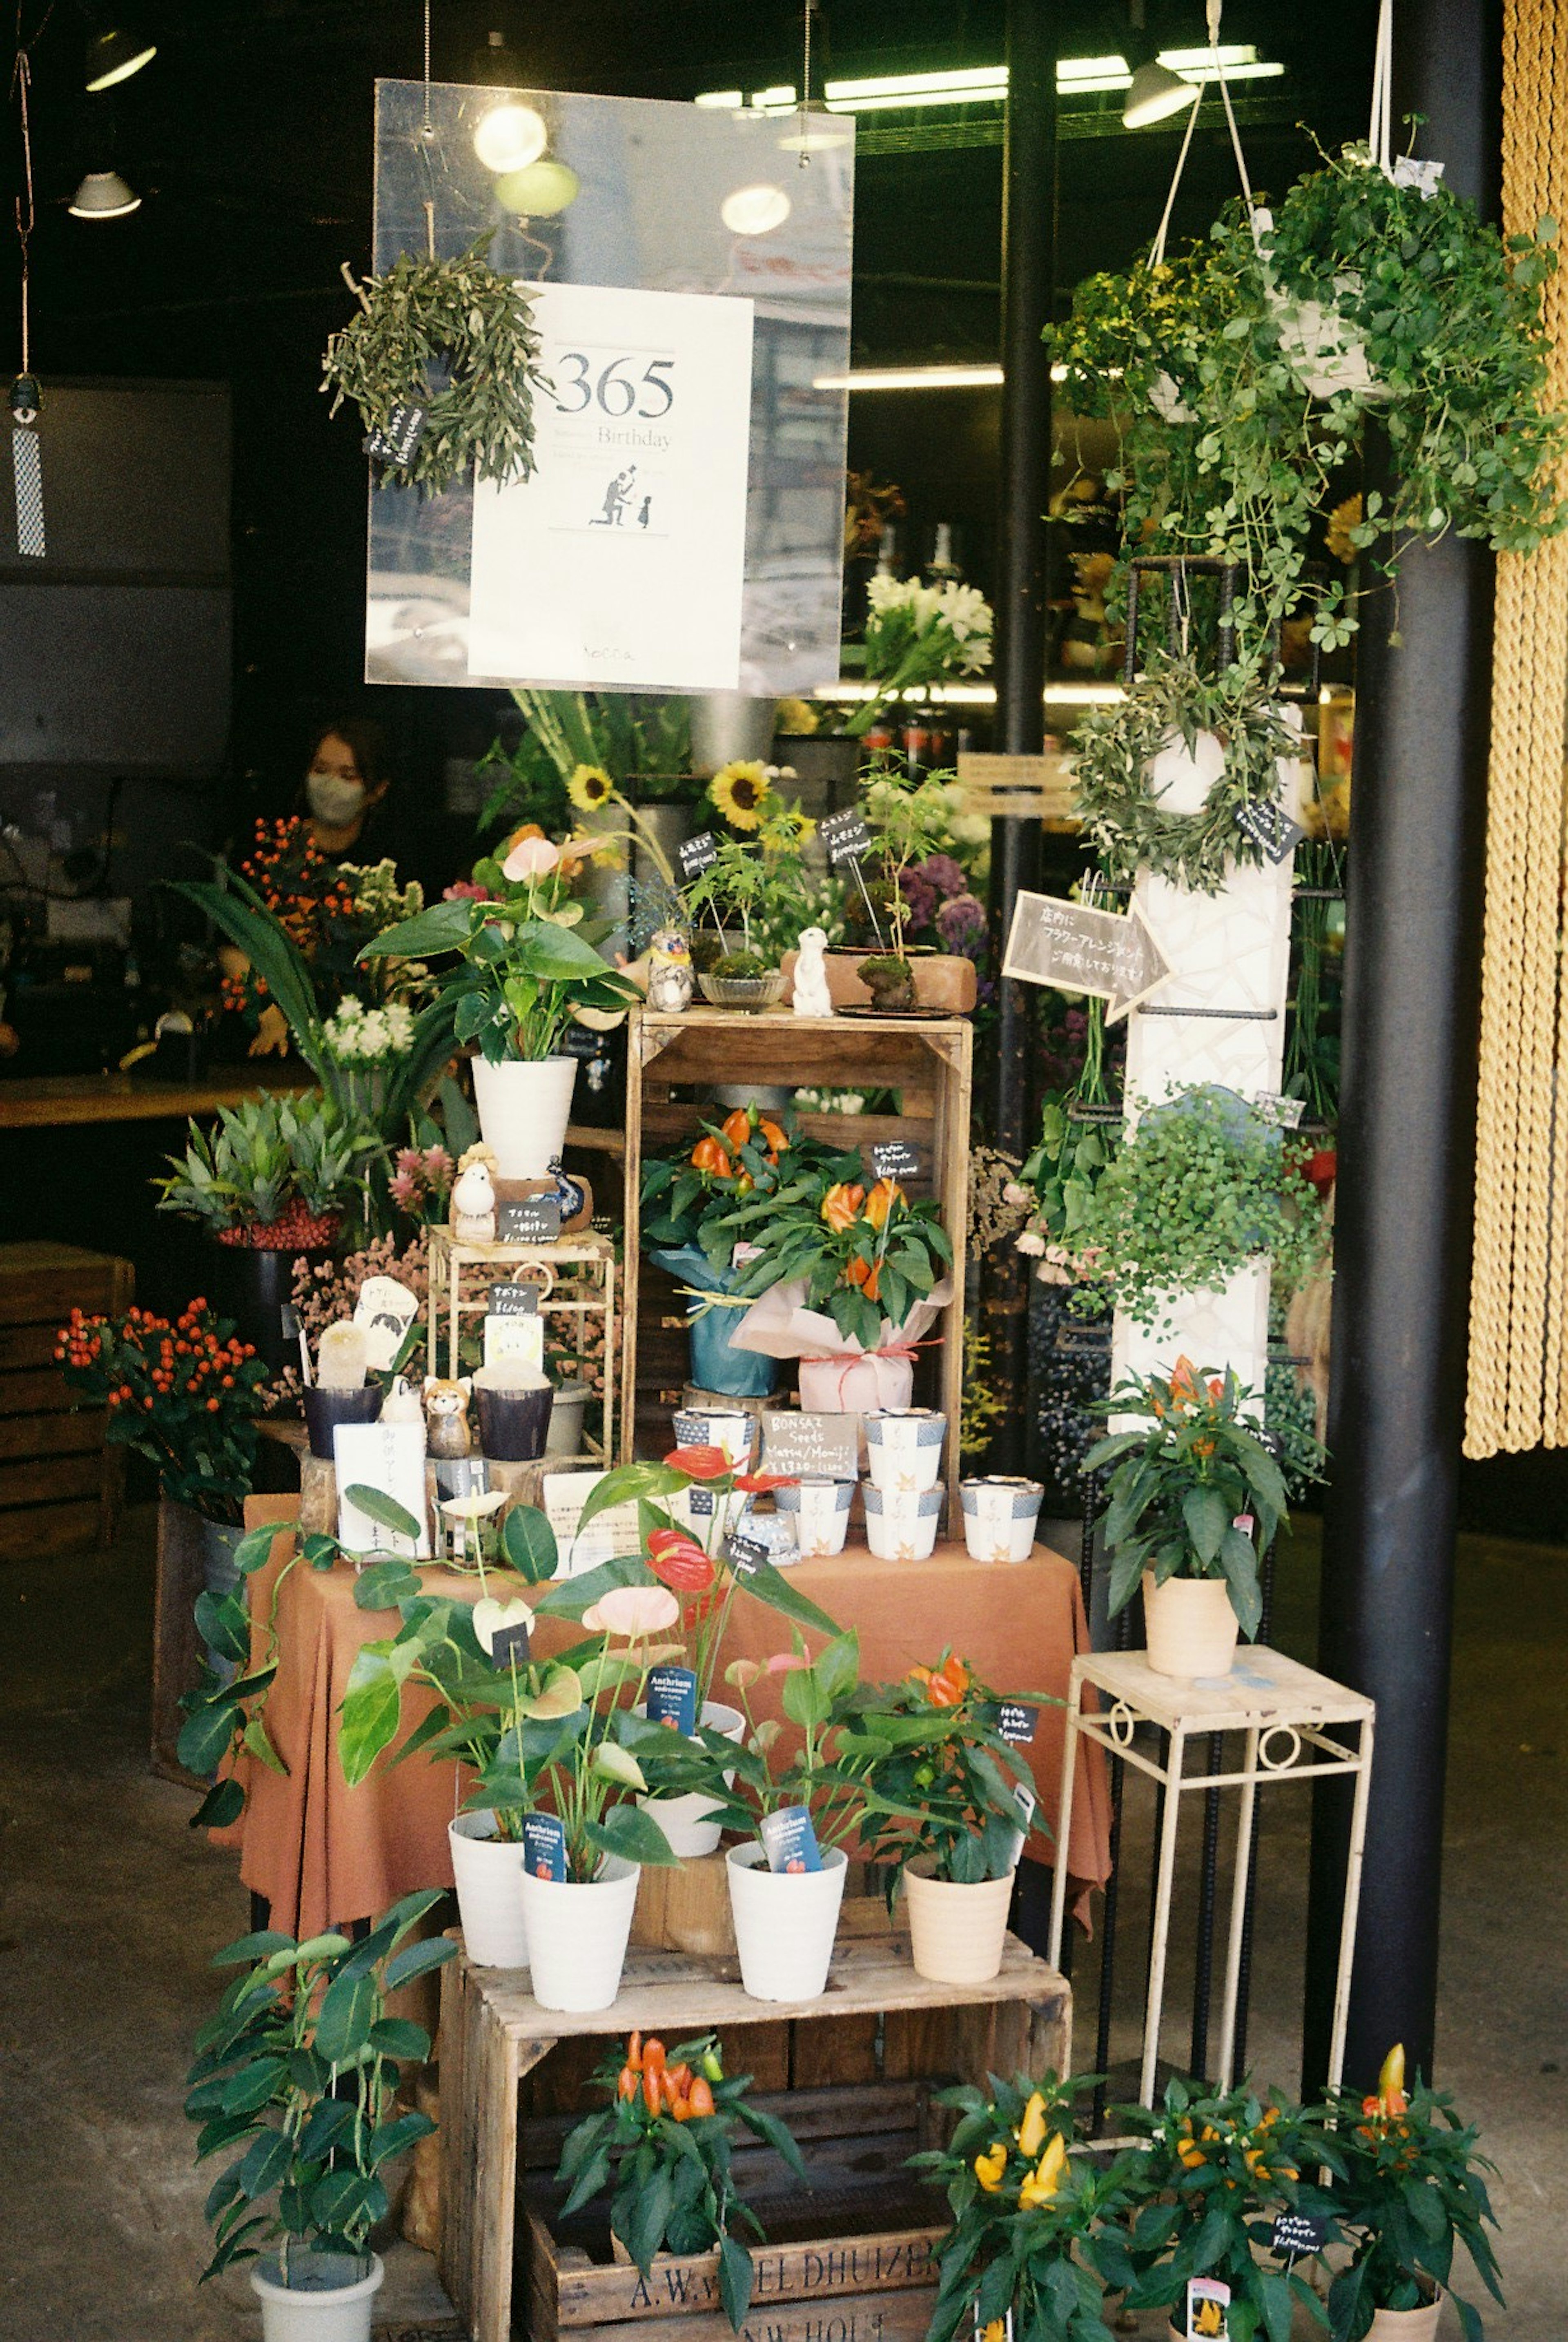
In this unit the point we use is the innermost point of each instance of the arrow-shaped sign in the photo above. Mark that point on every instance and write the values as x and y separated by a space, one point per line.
1053 941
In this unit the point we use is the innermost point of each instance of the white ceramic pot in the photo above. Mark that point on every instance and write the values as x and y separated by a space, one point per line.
1405 2325
523 1109
901 1527
729 1428
488 1871
564 1435
577 1934
1191 1625
707 1514
328 2301
999 1517
818 1509
786 1922
957 1933
904 1448
686 1821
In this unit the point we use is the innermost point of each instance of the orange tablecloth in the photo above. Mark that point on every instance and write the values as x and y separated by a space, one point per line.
322 1854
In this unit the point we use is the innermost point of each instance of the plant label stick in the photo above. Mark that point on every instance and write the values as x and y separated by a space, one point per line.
789 1840
545 1846
672 1698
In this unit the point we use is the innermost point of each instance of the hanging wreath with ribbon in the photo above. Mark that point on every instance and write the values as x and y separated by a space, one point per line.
442 363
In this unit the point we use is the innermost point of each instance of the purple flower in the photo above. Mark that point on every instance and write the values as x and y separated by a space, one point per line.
944 874
961 923
921 897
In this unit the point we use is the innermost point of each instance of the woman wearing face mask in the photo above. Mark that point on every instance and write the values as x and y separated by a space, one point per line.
345 784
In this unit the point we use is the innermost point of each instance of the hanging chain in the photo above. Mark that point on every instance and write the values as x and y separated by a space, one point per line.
428 127
21 81
803 158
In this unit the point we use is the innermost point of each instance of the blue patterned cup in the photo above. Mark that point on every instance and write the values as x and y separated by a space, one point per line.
902 1525
999 1517
818 1507
904 1448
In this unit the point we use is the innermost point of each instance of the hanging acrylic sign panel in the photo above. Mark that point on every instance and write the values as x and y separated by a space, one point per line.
688 244
622 558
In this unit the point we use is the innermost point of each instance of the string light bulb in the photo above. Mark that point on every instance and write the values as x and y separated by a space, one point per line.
509 136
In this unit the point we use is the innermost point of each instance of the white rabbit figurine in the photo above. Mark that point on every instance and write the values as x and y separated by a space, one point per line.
812 997
473 1206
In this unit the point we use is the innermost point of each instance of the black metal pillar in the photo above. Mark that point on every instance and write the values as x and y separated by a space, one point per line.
1028 264
1406 1156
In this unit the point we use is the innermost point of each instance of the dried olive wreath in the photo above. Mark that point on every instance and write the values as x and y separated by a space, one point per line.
1114 747
457 318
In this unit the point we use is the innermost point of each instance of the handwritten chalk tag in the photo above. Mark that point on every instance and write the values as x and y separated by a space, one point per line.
1295 2233
535 1220
895 1158
844 836
512 1301
1016 1722
1272 828
394 441
696 855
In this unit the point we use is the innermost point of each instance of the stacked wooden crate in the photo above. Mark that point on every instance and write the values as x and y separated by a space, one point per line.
60 1485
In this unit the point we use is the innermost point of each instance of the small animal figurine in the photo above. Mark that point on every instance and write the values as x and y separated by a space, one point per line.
473 1207
670 978
402 1403
447 1432
812 997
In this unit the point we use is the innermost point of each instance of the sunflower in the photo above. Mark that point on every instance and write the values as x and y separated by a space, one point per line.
740 792
590 788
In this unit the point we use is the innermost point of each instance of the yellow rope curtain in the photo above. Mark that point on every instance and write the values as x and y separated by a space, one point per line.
1518 1395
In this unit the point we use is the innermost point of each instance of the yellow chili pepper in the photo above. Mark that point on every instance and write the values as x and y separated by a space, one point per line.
1041 2184
1032 2129
990 2167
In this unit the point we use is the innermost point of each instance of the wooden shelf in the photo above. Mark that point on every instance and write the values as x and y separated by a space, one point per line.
51 1101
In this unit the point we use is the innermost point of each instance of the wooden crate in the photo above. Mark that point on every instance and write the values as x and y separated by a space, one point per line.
60 1485
852 2074
673 1061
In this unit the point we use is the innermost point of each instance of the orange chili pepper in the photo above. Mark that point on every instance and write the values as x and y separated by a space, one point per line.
708 1154
626 2087
700 2097
679 2078
634 2052
879 1204
867 1275
841 1205
777 1138
680 2108
653 2052
652 2078
737 1126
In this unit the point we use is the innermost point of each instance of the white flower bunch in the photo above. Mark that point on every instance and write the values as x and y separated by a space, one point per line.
946 628
357 1035
376 893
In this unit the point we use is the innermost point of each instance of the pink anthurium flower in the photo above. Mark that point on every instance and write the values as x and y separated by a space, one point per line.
632 1611
531 857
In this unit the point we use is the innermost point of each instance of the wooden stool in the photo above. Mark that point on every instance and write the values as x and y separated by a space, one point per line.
60 1485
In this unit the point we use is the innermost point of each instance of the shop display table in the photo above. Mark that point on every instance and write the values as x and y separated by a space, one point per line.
322 1853
493 2035
1283 1713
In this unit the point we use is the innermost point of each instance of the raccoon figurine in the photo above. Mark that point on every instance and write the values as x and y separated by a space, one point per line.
447 1432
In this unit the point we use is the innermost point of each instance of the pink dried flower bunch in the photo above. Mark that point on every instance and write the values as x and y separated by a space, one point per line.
328 1290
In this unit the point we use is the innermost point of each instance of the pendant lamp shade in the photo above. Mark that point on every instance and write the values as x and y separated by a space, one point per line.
114 55
104 195
1154 93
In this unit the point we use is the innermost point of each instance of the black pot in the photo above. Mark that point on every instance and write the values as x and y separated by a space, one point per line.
325 1409
512 1424
254 1287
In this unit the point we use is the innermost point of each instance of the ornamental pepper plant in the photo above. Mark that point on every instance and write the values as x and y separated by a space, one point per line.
664 2146
865 1252
941 1781
1194 1491
1035 2231
185 1393
1409 2188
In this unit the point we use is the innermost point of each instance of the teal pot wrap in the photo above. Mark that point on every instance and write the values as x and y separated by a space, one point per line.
716 1364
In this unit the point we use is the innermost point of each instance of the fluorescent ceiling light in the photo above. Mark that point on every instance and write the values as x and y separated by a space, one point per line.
722 101
1232 72
988 96
1074 72
989 77
977 84
1236 52
917 377
775 100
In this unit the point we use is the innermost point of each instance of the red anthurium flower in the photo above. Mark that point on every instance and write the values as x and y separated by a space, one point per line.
699 1463
679 1562
762 1484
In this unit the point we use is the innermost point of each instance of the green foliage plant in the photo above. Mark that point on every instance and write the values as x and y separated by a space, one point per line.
912 819
263 1154
1206 1183
1215 2173
633 738
1409 2188
674 2178
1036 2231
299 2069
460 316
867 1254
1195 1492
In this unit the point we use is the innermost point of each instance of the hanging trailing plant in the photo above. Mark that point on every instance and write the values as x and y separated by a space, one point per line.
1119 794
442 363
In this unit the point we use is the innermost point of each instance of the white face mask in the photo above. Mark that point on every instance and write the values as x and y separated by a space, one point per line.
333 801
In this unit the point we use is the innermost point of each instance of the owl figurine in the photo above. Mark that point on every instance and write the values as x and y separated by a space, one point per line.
670 979
471 1209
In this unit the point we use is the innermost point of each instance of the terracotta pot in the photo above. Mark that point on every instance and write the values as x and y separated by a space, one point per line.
1192 1627
1405 2325
944 982
957 1933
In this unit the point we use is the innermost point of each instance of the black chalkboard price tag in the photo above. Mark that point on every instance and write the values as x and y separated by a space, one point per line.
510 1647
895 1158
1297 2233
535 1220
512 1301
1272 828
746 1554
1016 1721
696 855
394 442
844 836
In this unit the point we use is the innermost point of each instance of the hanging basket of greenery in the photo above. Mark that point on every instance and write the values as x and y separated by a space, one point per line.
1120 755
442 363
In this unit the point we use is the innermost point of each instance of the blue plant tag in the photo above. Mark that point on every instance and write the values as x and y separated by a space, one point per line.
673 1699
545 1846
789 1840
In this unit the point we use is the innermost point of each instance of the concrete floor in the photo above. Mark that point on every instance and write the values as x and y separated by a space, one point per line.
110 1910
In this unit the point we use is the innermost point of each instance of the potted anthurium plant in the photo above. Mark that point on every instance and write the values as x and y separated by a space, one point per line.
1194 1498
943 1810
1217 2173
1409 2186
688 1507
523 973
1036 2239
662 2148
299 2069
